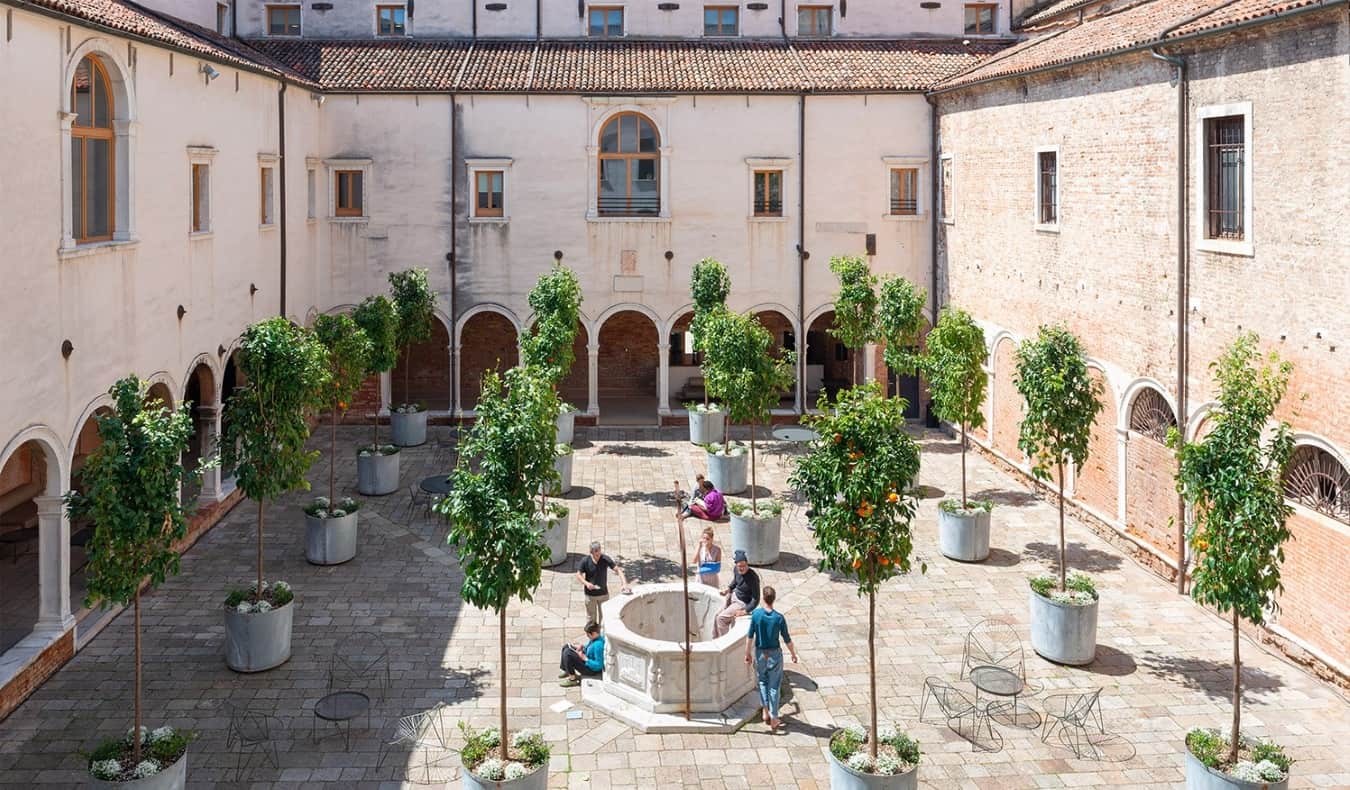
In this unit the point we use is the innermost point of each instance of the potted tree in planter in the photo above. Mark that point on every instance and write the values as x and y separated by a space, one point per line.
1232 481
855 308
131 483
709 288
330 523
856 478
954 367
492 529
285 372
377 464
1062 401
415 305
556 301
900 323
741 367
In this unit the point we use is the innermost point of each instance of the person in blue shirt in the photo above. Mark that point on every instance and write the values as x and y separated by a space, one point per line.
586 660
768 634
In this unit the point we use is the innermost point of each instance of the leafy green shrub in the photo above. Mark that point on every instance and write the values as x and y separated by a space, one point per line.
415 307
855 306
1080 589
954 506
114 759
954 367
772 507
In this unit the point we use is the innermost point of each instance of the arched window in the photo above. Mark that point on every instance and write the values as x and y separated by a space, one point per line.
1316 480
92 154
630 162
1151 415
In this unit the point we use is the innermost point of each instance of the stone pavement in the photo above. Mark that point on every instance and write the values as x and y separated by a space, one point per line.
1162 661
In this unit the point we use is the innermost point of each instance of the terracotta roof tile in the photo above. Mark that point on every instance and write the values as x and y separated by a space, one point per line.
842 65
375 65
1053 10
1245 10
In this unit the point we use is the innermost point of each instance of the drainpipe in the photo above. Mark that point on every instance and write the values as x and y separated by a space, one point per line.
782 17
473 4
281 166
802 254
933 175
538 19
450 257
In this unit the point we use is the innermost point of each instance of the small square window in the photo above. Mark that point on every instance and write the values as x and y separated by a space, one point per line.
391 20
815 20
350 200
721 20
1047 187
980 18
488 193
768 193
265 196
283 20
201 198
904 191
606 21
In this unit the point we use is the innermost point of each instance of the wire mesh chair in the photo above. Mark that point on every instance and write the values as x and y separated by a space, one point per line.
1072 715
418 732
963 716
363 665
251 731
993 642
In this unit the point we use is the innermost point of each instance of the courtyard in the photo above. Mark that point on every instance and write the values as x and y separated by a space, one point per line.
1162 662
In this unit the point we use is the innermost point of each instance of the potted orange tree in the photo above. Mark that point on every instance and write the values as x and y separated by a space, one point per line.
415 308
709 287
377 464
855 309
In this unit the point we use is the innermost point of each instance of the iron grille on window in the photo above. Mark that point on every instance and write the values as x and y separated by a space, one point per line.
1316 480
1151 416
1049 187
904 191
1225 199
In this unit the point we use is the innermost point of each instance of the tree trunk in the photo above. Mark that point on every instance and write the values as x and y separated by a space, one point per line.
407 370
1063 572
501 643
136 740
754 503
1237 692
257 590
332 458
964 505
872 668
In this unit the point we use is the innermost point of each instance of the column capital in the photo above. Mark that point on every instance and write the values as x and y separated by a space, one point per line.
208 411
50 506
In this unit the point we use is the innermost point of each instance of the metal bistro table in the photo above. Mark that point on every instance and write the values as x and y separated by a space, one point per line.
436 484
1000 682
341 707
794 433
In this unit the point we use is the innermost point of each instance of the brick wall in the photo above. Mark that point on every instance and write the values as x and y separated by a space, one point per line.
573 388
487 342
628 356
1096 482
1316 576
33 675
1151 492
429 382
365 402
1008 404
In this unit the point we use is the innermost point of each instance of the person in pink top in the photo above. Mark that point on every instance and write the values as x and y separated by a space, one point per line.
708 504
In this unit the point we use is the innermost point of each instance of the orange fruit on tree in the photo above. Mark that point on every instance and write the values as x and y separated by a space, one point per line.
857 564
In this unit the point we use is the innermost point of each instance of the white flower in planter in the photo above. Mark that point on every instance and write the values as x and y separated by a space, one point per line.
262 607
490 737
146 768
322 501
856 732
521 737
364 452
244 607
321 513
282 587
888 764
515 771
160 733
838 498
492 768
860 762
337 513
107 770
348 504
131 733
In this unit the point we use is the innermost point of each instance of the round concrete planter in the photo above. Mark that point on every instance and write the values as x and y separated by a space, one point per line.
377 474
567 422
172 778
706 427
563 465
759 537
555 537
728 472
1201 777
844 778
538 780
258 641
330 541
1063 633
408 430
964 535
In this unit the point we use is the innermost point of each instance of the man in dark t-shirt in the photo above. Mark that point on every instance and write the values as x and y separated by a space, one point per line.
593 573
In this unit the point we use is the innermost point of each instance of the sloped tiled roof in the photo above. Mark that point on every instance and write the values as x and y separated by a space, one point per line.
1130 27
127 17
382 64
1053 10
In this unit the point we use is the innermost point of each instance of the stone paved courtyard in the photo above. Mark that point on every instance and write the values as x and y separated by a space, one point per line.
1162 662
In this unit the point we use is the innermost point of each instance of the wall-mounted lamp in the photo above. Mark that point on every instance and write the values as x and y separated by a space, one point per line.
557 255
318 98
670 256
220 351
209 71
182 311
252 289
67 348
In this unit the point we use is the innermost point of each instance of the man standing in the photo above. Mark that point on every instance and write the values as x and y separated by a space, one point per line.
742 596
768 634
593 575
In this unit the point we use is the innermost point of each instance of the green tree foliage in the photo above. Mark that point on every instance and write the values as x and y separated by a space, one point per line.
855 306
415 306
130 491
954 367
1062 402
490 505
741 370
857 479
900 322
556 302
377 318
1232 480
709 288
285 372
348 351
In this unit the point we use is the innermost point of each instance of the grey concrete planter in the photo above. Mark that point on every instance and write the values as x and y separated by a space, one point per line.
330 541
172 778
567 422
377 474
555 537
758 537
563 465
964 535
1063 633
844 778
534 781
258 641
408 430
707 427
1201 777
728 472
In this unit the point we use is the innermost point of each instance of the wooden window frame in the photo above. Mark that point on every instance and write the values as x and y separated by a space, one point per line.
201 197
720 28
606 9
1208 234
98 76
285 7
356 182
896 192
392 8
815 10
222 18
1214 153
1046 213
266 185
760 204
992 8
479 210
629 158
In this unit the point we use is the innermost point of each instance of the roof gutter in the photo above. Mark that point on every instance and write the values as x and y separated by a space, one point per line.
1148 45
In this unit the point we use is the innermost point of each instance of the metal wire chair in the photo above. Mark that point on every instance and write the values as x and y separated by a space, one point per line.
251 731
419 732
993 642
963 716
1072 714
364 665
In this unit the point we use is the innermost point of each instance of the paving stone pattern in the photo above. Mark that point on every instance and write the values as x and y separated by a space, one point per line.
1162 661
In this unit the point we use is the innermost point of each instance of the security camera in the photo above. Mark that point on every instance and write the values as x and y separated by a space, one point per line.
209 71
965 42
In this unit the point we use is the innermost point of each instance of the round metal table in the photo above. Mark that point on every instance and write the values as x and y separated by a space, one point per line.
1000 682
794 433
436 484
341 707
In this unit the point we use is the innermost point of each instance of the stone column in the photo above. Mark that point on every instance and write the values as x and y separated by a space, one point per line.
799 382
208 431
386 393
1122 472
663 379
455 405
869 363
593 379
53 566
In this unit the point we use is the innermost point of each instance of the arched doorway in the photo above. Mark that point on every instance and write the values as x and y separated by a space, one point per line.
784 339
487 341
686 376
422 373
628 369
86 441
30 474
575 386
231 379
829 363
200 394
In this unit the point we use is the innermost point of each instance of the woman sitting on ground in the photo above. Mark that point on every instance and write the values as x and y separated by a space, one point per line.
580 661
708 504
